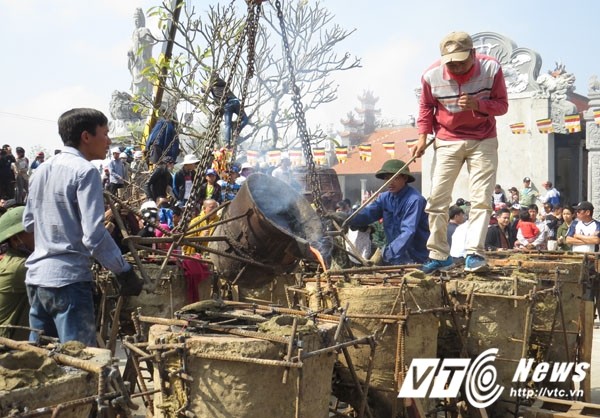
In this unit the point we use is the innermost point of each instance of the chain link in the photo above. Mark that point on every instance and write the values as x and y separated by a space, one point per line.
254 12
211 139
313 180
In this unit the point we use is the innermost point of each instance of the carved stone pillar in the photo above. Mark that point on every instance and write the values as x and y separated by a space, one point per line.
592 143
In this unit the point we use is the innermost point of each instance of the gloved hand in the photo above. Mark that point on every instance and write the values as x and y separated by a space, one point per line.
377 257
128 283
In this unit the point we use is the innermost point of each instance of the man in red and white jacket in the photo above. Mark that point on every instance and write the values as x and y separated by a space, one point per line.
462 93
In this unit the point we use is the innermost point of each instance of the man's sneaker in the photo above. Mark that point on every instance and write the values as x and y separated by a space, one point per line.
475 262
432 265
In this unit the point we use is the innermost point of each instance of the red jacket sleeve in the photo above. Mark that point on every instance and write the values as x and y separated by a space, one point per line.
497 104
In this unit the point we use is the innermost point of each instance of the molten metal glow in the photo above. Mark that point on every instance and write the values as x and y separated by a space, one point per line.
319 257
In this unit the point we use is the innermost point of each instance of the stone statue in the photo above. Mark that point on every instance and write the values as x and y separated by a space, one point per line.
556 84
139 55
124 118
594 85
121 106
520 65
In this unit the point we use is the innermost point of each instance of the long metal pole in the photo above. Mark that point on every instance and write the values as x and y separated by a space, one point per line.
385 185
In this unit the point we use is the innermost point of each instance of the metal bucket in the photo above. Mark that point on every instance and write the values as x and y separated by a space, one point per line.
271 224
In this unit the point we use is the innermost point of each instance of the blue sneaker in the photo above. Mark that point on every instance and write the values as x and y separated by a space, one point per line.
432 265
475 262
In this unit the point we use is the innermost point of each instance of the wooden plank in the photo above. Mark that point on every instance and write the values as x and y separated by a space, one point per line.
586 321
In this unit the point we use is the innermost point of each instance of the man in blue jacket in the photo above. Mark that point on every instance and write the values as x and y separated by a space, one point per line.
404 219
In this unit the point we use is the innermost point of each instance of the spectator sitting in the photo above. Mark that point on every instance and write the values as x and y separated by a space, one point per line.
456 216
458 249
165 213
561 233
229 187
527 231
551 225
466 206
202 221
210 189
343 206
541 241
500 236
514 195
498 195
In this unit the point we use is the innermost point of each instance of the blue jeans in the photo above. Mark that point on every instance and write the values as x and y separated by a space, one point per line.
65 312
232 106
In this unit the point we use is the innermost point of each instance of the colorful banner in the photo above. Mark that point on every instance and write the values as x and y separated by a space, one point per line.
390 147
273 157
341 153
411 142
544 126
597 116
573 123
364 152
518 128
319 156
252 156
295 157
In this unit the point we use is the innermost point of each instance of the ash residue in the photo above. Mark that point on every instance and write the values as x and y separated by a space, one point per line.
26 369
74 349
282 325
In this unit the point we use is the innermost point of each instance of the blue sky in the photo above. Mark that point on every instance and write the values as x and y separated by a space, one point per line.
61 54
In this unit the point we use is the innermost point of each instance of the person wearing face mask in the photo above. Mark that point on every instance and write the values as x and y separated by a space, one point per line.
14 305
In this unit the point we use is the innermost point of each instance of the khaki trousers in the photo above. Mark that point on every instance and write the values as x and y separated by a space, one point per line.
481 157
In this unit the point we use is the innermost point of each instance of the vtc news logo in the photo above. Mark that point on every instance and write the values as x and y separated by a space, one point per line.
435 378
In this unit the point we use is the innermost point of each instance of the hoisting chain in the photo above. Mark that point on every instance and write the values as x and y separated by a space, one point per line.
211 137
251 30
254 12
301 120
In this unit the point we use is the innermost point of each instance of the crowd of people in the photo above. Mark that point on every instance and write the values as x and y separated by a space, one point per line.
55 218
48 284
394 229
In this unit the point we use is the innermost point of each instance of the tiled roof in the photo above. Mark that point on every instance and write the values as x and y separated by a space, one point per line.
354 165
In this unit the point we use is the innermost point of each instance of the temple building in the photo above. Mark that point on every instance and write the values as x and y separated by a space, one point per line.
549 132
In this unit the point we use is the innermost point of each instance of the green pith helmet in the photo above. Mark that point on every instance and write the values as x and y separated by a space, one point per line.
391 167
11 223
